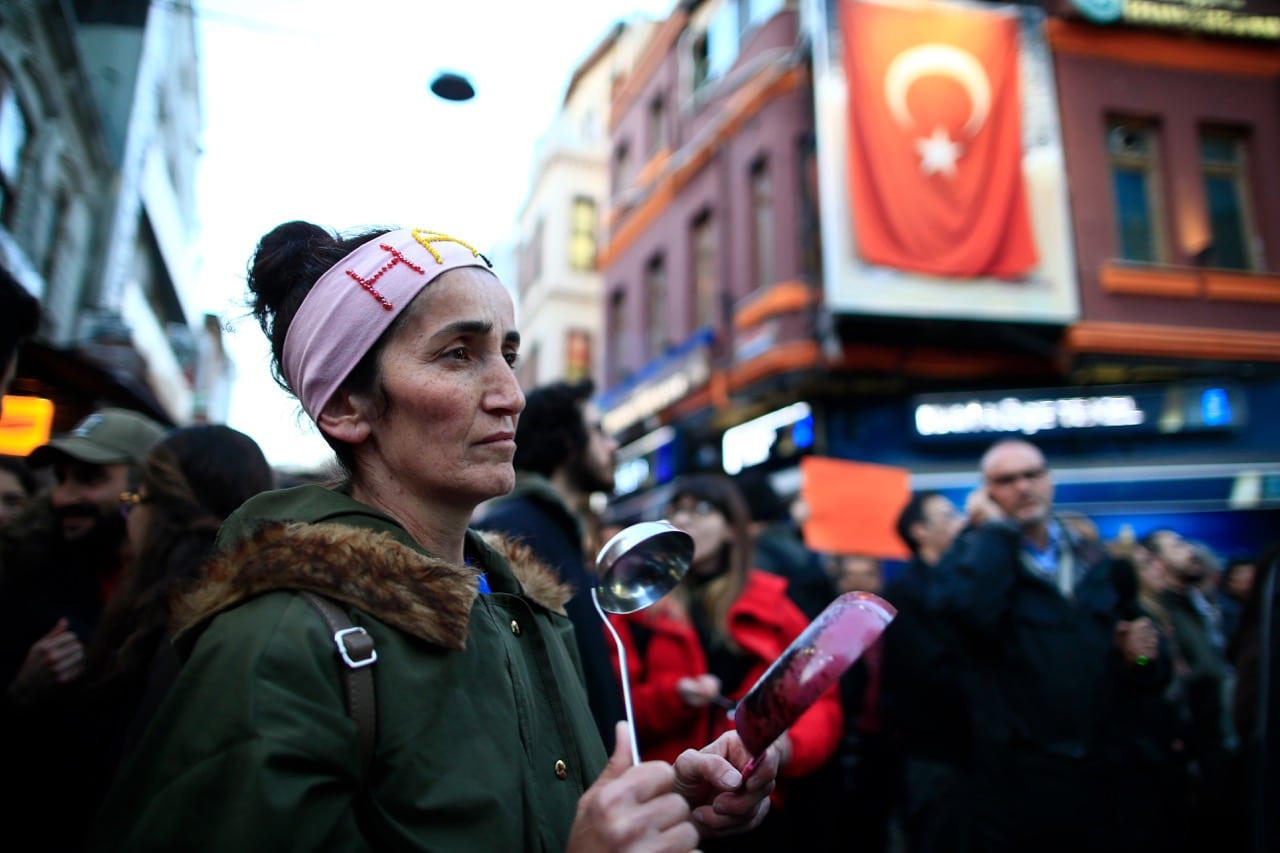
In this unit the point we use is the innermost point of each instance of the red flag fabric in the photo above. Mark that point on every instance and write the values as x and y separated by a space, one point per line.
935 139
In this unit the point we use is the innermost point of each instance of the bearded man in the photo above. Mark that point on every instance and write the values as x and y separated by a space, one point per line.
64 556
562 458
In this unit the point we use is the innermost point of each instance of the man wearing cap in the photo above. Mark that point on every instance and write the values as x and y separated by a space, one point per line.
62 559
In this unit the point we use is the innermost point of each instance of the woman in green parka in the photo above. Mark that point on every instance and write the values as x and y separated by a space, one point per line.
484 740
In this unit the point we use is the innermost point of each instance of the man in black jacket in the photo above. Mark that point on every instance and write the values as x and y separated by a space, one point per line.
562 457
924 706
1052 649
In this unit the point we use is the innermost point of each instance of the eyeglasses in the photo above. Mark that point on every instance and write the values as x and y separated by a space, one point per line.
1030 475
128 500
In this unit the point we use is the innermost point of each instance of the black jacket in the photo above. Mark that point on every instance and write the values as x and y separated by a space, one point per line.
1044 670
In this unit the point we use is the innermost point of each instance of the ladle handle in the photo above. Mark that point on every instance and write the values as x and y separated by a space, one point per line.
626 682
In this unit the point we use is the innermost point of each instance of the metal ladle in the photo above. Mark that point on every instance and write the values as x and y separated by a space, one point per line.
635 568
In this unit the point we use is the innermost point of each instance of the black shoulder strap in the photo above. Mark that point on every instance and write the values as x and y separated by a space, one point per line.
355 649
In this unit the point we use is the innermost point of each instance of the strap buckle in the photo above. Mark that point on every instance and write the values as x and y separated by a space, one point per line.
355 641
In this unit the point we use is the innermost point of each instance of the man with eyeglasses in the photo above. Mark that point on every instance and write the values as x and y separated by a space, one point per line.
1057 659
64 556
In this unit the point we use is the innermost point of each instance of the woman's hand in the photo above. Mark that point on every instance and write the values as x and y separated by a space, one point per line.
711 780
1138 641
632 808
54 659
698 692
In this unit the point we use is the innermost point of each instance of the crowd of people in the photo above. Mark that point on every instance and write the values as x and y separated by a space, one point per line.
407 657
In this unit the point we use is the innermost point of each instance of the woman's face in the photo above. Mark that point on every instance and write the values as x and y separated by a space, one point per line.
708 527
447 434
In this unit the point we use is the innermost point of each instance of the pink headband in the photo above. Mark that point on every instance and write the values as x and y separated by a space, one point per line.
352 304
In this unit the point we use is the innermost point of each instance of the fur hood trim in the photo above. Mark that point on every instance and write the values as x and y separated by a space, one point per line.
421 595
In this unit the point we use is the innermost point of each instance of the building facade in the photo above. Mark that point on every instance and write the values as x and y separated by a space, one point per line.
101 122
557 284
837 230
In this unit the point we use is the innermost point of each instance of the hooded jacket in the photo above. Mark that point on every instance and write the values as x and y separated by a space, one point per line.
485 740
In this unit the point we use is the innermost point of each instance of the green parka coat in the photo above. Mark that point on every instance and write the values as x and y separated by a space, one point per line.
485 740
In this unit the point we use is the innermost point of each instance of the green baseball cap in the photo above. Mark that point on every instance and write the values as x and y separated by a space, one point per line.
106 437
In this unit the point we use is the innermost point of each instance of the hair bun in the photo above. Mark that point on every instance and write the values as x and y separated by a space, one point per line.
284 264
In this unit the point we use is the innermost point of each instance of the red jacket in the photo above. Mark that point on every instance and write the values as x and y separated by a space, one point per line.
763 621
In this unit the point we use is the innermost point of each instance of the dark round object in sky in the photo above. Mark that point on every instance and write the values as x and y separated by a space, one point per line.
452 87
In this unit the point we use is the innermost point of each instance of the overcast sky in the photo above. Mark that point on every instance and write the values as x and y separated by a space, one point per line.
320 111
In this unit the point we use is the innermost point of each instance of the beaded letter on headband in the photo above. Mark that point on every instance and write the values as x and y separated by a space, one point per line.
359 297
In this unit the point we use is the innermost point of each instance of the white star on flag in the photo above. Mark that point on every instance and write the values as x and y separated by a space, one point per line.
938 154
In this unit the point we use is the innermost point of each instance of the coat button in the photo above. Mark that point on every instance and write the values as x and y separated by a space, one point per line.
562 770
515 627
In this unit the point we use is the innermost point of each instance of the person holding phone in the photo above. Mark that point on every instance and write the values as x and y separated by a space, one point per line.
1054 650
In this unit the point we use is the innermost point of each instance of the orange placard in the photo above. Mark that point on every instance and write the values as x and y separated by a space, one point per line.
25 424
854 506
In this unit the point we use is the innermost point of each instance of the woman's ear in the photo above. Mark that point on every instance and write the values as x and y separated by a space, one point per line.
345 417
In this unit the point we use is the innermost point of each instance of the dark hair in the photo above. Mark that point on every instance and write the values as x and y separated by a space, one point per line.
19 316
1151 541
287 263
721 492
193 479
762 498
17 466
551 429
913 513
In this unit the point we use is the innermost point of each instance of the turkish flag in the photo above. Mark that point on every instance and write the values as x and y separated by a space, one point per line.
935 139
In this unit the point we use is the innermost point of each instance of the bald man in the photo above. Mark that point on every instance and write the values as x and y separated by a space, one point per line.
1054 652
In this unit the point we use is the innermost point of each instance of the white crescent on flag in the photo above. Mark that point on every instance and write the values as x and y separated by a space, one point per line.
945 60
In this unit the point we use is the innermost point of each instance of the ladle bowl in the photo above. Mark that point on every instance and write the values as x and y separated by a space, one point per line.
635 568
641 564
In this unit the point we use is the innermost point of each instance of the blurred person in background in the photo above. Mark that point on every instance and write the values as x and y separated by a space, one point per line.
401 346
17 486
64 556
869 759
1049 650
1152 729
562 457
1235 586
856 572
779 544
72 743
1215 772
692 655
923 698
1256 703
19 320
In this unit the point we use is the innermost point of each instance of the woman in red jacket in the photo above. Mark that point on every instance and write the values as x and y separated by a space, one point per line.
692 655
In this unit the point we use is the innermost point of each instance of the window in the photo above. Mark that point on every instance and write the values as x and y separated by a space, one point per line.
1222 160
535 252
701 60
703 242
582 237
722 40
13 141
810 218
1133 158
527 367
655 290
762 234
577 355
621 169
615 334
658 139
530 260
